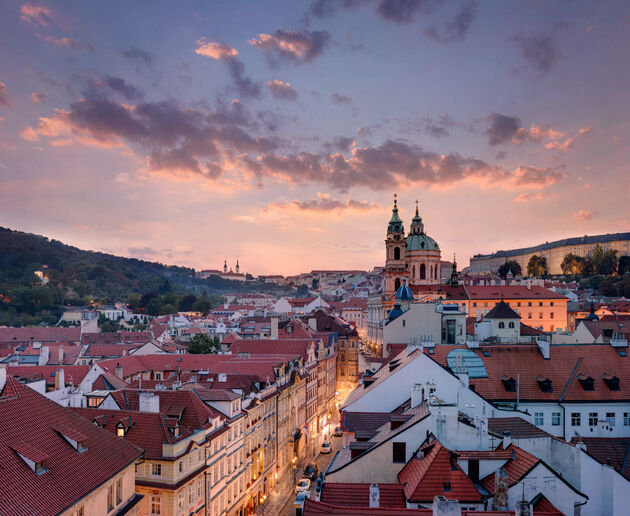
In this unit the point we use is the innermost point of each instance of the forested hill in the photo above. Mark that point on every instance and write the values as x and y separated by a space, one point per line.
78 277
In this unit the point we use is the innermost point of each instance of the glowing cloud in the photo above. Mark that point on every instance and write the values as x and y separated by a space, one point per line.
215 50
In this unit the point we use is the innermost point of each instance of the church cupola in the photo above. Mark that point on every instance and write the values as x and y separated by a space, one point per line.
417 226
395 225
454 282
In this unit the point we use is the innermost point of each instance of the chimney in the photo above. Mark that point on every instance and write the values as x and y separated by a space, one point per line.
507 440
500 500
522 508
149 402
119 371
444 507
3 376
312 322
60 354
417 395
543 346
375 499
60 381
274 327
44 355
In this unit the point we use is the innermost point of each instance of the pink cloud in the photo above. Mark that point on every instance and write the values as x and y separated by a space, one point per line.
36 15
215 50
528 196
582 215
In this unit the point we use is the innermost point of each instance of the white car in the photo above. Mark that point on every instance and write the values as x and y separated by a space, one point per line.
325 447
303 486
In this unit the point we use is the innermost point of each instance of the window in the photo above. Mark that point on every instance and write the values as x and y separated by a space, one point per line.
575 419
399 452
475 304
156 505
110 498
529 315
180 466
180 500
549 482
540 315
540 303
529 303
626 419
539 418
119 495
518 304
592 419
551 303
396 253
423 271
404 322
158 376
81 511
610 417
511 324
156 470
501 325
551 315
555 418
190 494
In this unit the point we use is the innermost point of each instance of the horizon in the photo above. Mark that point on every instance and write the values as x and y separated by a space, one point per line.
277 134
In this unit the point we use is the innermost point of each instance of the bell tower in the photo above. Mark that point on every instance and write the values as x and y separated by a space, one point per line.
395 253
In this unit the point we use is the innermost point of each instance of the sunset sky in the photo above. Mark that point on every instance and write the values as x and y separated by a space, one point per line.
277 132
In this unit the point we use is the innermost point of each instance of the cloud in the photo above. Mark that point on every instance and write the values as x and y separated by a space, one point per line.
582 215
531 196
402 11
136 54
5 100
456 28
215 50
221 144
71 43
502 128
36 98
245 86
120 86
340 99
29 134
292 46
36 15
325 204
568 143
539 50
282 90
536 134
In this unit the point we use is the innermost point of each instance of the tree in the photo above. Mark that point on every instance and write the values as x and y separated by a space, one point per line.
315 284
186 303
153 307
203 305
165 286
133 300
203 344
144 300
510 266
604 262
302 291
624 265
572 264
537 266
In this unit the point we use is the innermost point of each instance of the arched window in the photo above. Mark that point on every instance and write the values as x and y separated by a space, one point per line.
396 253
423 271
413 271
435 272
397 284
511 324
431 271
501 325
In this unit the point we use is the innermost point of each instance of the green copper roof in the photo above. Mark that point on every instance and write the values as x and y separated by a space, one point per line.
421 242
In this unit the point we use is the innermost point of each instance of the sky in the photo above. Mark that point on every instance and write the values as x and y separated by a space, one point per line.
277 132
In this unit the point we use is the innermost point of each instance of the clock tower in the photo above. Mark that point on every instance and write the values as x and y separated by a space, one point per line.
395 265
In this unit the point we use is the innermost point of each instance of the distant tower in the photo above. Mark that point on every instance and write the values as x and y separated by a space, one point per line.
454 276
395 253
225 266
237 266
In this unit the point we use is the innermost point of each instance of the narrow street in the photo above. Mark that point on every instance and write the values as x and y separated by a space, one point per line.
322 462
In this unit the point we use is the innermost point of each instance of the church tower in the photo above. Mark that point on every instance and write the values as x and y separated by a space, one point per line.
225 266
395 253
237 267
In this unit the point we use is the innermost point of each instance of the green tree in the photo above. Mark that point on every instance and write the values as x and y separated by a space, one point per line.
572 264
153 307
186 303
624 265
537 266
203 344
604 262
510 266
168 309
203 305
133 300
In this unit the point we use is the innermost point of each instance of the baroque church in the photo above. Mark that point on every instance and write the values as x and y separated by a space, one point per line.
414 259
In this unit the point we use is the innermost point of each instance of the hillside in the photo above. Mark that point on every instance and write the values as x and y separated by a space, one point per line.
77 277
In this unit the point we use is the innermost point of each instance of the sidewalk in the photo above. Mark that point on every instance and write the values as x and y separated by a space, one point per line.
283 492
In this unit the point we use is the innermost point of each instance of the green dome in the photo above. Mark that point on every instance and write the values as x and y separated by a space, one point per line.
421 242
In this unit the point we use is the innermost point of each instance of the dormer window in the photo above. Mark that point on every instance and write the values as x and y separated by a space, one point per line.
74 438
509 383
612 382
33 457
587 382
544 384
120 430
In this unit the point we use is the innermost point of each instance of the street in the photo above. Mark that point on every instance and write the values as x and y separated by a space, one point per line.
322 462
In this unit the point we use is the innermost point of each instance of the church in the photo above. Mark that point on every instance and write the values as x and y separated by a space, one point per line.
414 258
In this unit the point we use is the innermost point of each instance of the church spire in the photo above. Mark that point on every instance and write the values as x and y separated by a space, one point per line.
454 275
417 226
395 223
237 266
225 266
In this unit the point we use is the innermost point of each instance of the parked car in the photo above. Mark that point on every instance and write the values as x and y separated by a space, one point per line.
325 447
310 471
303 486
338 432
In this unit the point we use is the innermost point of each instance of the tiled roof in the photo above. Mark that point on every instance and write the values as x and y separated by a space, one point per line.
109 350
116 337
518 427
269 346
434 471
364 424
40 334
358 495
517 467
32 423
497 292
565 364
108 382
621 325
501 311
72 374
610 450
312 508
540 504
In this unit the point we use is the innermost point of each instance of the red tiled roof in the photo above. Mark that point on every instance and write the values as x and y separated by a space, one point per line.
434 472
74 374
391 496
518 427
613 450
542 505
109 350
107 382
312 508
516 467
476 292
40 334
135 337
268 346
28 421
565 364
